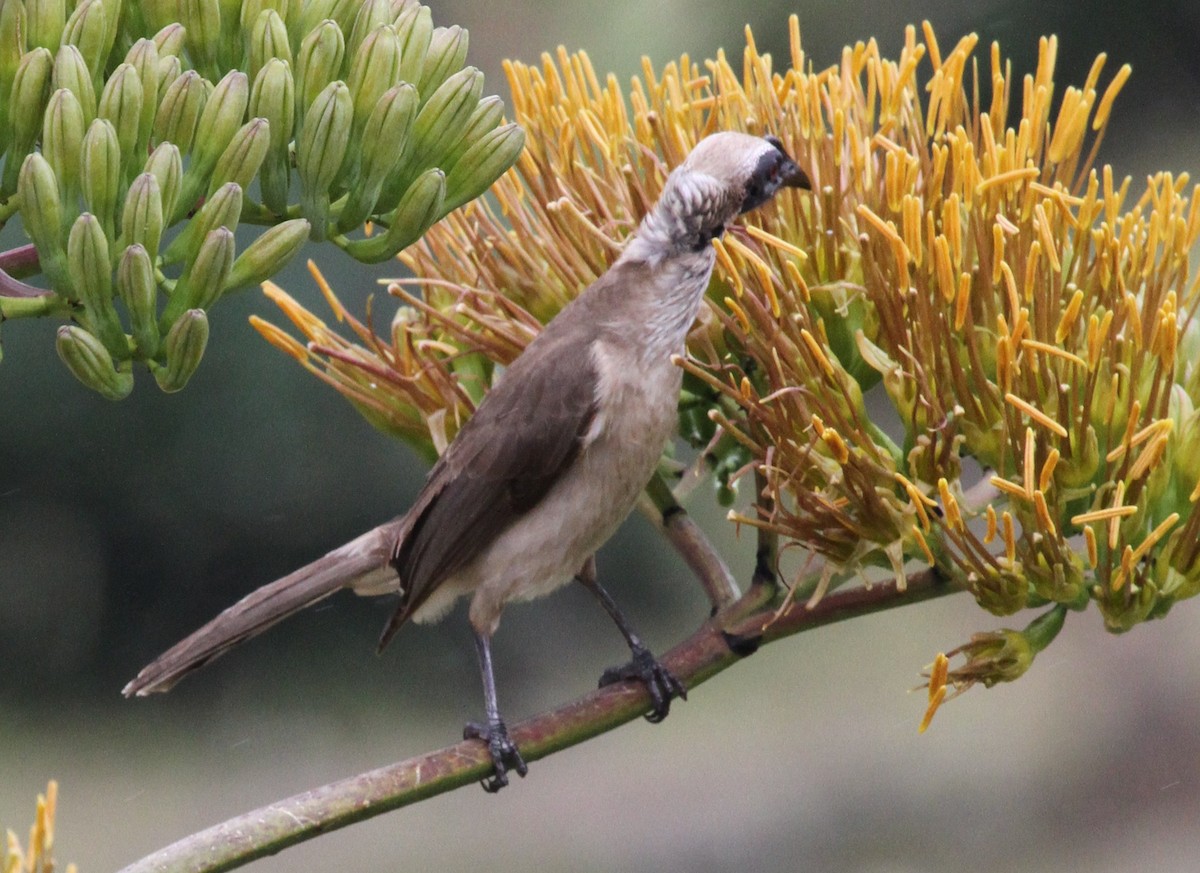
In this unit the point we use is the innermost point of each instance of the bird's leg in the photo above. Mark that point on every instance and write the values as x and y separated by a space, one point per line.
505 755
644 667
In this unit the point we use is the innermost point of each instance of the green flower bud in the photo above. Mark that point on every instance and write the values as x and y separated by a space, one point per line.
12 43
143 56
231 47
317 64
375 69
485 118
343 12
42 218
100 174
62 141
250 11
222 209
166 166
310 15
220 121
444 117
268 254
321 151
414 26
243 156
482 164
184 347
171 39
90 29
90 363
44 22
169 69
273 98
420 208
91 273
142 216
201 20
384 138
71 72
179 111
138 291
30 93
371 15
446 56
268 40
121 103
203 280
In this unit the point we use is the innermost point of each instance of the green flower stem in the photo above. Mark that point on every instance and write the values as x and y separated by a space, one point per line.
267 830
693 546
46 303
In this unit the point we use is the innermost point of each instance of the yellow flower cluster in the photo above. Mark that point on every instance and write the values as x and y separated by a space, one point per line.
1026 315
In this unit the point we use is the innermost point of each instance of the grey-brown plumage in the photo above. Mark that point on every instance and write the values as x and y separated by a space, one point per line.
556 454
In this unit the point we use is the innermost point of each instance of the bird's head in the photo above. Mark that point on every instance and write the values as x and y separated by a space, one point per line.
725 175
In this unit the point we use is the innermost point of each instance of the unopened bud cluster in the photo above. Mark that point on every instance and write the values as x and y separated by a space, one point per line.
125 119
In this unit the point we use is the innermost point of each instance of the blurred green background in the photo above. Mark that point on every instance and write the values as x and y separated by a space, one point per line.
124 526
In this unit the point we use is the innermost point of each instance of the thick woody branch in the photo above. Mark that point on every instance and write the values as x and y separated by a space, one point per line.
717 645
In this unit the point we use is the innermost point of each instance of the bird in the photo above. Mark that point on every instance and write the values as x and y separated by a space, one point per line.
552 460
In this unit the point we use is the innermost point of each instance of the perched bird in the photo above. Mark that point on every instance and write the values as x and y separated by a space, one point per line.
553 459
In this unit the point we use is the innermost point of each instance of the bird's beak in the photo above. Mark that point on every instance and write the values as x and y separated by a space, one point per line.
791 176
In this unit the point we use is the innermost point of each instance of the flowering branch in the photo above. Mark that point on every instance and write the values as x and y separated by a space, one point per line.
717 645
963 290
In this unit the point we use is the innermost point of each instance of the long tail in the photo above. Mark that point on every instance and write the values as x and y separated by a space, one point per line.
361 564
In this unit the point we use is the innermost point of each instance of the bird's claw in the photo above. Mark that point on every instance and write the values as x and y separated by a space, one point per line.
503 751
659 681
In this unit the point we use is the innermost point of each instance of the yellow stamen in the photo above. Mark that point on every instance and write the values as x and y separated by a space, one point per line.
1057 351
1024 174
1114 523
1155 535
1010 488
1110 94
1102 514
1093 553
1037 415
1010 537
937 689
775 242
817 352
285 342
1030 459
1043 513
924 546
1068 317
1046 478
953 515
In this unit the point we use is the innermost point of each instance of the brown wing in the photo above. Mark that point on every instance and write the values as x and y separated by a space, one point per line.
528 429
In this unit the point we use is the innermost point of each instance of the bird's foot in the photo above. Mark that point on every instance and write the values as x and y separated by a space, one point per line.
504 753
659 681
